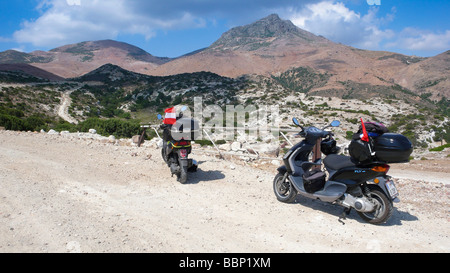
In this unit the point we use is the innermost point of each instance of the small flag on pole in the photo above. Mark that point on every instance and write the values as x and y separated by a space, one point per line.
170 117
365 136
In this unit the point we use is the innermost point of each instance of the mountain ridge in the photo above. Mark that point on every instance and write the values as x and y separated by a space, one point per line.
267 47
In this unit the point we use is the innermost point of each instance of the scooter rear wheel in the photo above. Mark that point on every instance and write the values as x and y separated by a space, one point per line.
182 175
284 191
383 210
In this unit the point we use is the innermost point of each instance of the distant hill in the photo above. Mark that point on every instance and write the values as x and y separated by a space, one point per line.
429 77
77 59
88 50
13 57
110 73
23 72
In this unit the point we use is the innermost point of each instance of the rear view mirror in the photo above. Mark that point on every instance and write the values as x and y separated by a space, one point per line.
159 116
335 123
295 121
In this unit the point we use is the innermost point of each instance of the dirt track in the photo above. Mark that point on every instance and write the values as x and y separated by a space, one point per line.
65 194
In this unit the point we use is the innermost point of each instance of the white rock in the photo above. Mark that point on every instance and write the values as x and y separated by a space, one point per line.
236 146
276 162
225 147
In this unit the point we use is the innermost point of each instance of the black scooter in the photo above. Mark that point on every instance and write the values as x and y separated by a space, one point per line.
175 152
365 188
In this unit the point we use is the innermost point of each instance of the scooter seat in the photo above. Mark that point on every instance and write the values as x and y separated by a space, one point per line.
337 162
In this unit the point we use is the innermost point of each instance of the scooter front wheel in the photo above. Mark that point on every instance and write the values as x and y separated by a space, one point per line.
284 191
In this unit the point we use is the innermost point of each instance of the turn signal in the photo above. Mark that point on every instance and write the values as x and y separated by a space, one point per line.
381 169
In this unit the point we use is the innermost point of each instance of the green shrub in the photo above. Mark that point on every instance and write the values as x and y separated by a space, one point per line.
106 127
12 123
440 148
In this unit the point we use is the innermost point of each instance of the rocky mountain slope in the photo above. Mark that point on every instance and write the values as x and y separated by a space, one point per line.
272 46
429 77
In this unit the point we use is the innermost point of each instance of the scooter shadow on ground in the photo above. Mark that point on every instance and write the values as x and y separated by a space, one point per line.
204 176
400 216
396 219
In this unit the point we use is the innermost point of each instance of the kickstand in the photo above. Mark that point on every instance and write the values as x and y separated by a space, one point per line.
344 214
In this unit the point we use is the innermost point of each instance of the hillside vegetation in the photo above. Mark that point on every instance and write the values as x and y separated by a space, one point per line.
116 101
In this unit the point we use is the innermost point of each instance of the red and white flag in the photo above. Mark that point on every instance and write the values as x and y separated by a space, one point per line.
364 136
170 117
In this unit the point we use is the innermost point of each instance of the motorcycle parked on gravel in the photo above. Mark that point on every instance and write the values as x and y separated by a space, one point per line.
358 181
176 146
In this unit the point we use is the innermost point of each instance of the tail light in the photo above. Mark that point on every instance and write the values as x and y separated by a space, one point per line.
183 153
381 169
181 143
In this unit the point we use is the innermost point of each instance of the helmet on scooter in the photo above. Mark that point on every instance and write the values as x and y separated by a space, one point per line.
328 146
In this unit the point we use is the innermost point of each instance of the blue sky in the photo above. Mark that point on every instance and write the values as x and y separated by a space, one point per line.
171 28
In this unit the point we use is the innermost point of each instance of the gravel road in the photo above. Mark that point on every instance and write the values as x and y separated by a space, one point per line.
63 193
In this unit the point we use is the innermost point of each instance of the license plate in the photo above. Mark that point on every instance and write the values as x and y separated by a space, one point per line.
183 153
391 188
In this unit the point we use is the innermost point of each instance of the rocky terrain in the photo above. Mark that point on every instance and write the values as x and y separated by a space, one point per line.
84 193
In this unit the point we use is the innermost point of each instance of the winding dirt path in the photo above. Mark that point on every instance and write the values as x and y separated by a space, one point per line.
63 110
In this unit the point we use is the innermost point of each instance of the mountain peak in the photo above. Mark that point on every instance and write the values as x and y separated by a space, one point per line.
109 73
262 32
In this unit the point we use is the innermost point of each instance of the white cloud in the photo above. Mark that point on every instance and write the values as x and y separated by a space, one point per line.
70 21
338 23
421 40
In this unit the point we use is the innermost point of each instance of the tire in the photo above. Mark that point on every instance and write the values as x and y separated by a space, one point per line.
163 154
384 206
283 189
182 175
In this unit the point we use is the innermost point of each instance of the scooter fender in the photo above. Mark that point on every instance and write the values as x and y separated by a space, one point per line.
184 162
331 191
382 184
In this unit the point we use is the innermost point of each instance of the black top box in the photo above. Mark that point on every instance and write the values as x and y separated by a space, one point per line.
392 148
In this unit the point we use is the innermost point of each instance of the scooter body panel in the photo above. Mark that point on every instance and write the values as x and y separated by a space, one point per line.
331 191
354 175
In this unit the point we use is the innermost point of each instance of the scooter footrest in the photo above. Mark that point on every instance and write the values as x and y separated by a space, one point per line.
331 192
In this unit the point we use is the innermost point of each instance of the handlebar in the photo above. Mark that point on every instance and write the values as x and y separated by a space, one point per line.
316 131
